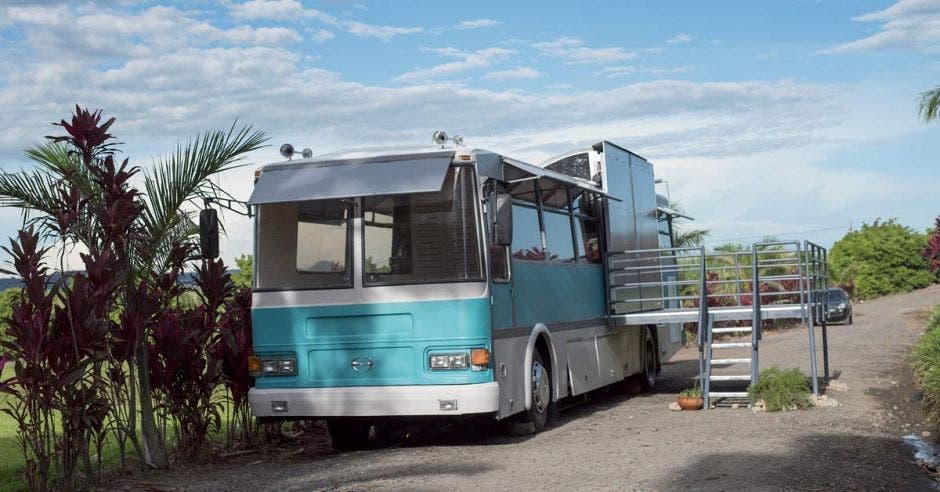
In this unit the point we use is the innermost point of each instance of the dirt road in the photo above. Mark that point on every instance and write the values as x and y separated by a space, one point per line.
634 442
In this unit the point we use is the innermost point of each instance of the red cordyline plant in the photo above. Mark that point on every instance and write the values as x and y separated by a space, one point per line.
30 345
78 344
932 251
233 348
186 367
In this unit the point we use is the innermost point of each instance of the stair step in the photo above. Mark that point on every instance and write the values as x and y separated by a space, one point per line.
716 362
720 345
732 329
729 377
727 394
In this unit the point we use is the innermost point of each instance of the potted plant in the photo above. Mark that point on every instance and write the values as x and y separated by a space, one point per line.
691 398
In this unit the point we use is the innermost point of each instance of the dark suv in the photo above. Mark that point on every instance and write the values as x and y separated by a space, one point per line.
840 307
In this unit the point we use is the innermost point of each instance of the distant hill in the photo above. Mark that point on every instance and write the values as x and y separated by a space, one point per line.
186 278
9 282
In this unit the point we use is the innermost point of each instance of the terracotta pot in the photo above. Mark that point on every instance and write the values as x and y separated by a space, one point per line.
691 402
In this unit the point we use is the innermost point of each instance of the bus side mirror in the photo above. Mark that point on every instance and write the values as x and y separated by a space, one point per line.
209 234
502 219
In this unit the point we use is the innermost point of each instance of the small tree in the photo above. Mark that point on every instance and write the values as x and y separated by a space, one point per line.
932 251
243 276
879 259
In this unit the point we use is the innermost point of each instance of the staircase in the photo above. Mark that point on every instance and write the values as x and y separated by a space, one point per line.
791 280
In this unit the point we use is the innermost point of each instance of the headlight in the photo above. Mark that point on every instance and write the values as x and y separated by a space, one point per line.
449 361
278 367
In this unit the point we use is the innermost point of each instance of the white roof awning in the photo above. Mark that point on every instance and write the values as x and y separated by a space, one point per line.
321 181
672 212
519 174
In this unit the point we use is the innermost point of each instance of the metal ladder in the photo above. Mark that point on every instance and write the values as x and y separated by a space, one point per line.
711 361
811 278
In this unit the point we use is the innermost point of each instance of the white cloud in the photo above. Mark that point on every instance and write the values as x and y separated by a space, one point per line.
680 38
466 61
294 10
906 24
384 33
273 9
616 71
514 74
755 137
573 51
320 35
476 23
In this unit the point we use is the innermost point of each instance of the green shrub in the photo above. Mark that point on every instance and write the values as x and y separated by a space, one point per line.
927 365
781 389
693 392
879 259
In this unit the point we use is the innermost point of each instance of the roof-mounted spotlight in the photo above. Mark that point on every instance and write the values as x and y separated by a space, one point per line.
440 138
287 150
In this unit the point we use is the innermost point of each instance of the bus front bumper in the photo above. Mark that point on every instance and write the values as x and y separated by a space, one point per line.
375 401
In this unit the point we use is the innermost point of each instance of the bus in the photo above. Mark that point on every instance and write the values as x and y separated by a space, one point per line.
447 281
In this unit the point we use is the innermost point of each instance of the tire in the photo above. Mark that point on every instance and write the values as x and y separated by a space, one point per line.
647 377
850 318
349 434
534 419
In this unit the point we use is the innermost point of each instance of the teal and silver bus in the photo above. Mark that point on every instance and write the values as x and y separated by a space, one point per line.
446 281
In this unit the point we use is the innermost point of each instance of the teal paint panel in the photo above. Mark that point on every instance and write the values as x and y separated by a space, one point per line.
556 292
502 305
396 337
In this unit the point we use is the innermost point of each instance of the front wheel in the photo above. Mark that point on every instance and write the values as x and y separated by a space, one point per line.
534 419
850 318
349 433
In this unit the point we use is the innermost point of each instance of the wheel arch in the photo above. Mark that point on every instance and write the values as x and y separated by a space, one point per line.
540 335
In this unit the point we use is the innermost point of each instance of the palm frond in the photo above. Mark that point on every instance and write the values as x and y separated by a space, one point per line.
690 237
929 104
32 190
184 176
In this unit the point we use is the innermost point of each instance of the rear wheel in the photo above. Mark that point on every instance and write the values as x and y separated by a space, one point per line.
533 420
349 433
647 377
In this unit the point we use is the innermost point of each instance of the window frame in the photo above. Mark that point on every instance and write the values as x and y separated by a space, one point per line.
350 229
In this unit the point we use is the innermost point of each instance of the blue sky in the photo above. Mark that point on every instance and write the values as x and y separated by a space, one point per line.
764 117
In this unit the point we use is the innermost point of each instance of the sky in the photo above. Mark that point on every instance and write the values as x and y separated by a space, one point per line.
796 119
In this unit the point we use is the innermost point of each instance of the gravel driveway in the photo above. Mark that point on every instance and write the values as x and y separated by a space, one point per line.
634 442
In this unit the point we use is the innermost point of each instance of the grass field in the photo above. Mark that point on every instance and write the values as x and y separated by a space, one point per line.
11 460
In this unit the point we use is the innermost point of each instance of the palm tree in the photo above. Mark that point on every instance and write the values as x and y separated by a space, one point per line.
172 183
929 104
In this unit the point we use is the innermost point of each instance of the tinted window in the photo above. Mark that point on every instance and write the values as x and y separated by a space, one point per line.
526 236
558 236
836 296
423 237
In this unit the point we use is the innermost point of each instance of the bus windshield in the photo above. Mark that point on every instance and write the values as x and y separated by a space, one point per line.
304 245
423 237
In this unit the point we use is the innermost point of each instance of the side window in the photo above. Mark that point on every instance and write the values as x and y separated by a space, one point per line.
558 236
526 236
587 224
665 232
591 240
